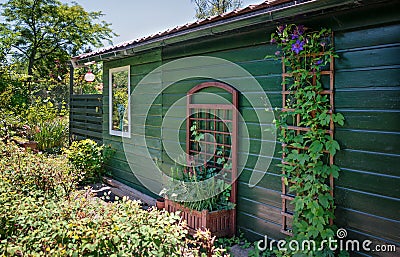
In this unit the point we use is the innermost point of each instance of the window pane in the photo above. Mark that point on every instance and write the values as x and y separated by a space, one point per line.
120 96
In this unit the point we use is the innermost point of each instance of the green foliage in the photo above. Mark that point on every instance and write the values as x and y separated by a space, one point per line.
10 124
36 175
53 135
41 122
213 194
46 31
41 111
204 245
83 226
83 87
40 217
207 8
13 93
307 169
227 243
43 215
39 37
46 124
88 157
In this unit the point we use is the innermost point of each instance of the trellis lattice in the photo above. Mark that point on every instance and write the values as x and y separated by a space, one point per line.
287 196
219 123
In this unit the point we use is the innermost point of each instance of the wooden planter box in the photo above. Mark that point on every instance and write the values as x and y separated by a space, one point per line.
220 223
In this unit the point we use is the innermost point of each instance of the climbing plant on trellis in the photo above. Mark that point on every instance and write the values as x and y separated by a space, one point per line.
307 121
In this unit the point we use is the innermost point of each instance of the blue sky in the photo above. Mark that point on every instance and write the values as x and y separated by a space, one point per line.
133 19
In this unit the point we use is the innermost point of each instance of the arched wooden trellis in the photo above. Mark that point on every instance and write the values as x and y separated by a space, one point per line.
212 116
220 120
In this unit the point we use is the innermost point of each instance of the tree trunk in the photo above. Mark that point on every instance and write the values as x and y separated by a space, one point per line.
30 73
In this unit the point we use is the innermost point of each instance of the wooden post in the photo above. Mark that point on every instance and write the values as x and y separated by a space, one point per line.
71 92
204 219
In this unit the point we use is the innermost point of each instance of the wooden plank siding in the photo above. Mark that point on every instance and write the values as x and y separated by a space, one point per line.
367 92
140 65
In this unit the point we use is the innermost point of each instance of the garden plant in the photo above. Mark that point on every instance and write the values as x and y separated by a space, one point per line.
307 171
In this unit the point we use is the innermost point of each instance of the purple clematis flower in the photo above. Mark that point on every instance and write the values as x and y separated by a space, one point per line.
298 46
281 28
301 29
318 62
295 34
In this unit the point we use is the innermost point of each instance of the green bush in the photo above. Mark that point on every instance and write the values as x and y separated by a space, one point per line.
10 124
85 226
88 157
40 121
49 176
39 217
41 111
47 125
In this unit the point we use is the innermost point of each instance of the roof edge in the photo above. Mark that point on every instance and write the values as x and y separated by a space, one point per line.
131 47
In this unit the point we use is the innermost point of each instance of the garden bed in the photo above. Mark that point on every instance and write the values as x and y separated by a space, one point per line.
220 223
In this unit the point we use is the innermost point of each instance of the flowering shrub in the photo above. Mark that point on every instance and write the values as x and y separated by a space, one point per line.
306 165
85 226
43 215
38 174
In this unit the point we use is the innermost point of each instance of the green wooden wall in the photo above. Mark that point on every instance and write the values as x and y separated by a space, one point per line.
367 92
140 65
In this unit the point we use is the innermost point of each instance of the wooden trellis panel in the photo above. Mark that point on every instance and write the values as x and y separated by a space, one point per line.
220 121
287 197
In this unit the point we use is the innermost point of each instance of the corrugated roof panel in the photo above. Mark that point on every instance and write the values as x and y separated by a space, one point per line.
209 20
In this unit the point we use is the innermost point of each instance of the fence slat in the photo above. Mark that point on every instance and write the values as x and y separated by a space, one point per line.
86 117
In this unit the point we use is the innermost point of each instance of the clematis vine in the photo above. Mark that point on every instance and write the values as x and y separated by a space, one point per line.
307 57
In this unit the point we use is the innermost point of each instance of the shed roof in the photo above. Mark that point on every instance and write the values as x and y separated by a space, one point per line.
268 6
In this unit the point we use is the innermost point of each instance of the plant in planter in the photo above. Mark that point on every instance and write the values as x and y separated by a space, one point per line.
209 186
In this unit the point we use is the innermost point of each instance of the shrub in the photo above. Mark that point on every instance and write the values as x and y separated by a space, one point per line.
204 244
36 221
10 124
37 218
37 173
41 111
85 226
88 157
41 121
46 124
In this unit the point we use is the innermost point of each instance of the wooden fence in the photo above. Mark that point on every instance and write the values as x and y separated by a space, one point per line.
86 117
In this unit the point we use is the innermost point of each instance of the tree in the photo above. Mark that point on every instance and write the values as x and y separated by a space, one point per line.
207 8
47 32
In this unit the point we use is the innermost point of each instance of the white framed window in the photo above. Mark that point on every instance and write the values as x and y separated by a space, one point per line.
119 101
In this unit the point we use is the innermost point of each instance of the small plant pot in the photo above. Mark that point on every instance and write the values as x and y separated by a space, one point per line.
31 144
160 203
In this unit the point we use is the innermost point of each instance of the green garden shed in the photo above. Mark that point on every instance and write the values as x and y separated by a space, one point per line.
366 91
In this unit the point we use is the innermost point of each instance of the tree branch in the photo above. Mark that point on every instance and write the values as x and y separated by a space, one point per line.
19 49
